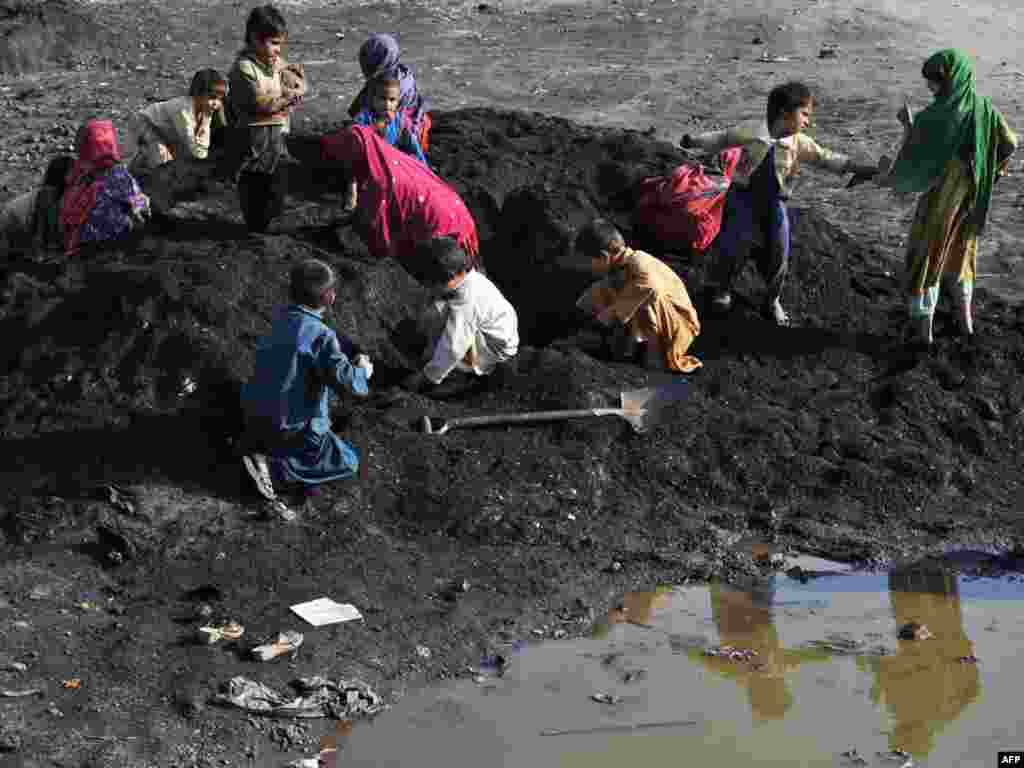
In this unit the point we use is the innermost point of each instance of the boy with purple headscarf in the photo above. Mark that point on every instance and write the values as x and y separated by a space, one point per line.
379 56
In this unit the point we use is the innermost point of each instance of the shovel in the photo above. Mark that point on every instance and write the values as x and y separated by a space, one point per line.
642 408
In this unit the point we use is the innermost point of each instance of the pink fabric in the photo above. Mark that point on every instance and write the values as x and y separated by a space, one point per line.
685 208
403 201
97 152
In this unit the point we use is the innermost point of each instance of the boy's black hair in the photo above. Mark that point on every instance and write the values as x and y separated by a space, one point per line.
203 82
597 236
57 170
310 281
263 22
788 98
439 260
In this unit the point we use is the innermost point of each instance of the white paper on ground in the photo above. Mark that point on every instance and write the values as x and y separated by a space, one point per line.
323 611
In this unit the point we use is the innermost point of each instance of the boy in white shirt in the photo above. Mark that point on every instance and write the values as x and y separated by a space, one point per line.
470 328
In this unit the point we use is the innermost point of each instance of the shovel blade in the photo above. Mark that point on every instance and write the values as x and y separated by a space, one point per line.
648 407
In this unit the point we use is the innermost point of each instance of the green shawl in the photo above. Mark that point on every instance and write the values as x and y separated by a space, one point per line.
957 117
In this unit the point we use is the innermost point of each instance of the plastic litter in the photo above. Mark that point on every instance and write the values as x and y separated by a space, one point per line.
214 633
72 684
316 697
324 611
8 694
606 698
730 653
286 643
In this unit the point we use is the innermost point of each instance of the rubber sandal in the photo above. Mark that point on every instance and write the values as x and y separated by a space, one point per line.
774 312
277 510
286 643
256 465
214 633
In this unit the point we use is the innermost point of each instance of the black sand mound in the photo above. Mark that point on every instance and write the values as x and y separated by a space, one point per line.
821 423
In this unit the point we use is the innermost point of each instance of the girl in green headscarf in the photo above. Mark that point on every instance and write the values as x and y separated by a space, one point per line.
951 156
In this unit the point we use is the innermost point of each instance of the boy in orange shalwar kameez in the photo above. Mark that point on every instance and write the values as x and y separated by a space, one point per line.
641 298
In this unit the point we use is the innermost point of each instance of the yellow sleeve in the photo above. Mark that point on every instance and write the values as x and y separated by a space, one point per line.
809 151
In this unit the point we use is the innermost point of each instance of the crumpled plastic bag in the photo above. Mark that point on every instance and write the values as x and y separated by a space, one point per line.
317 697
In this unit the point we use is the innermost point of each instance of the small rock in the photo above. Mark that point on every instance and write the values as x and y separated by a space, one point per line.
758 40
41 592
559 634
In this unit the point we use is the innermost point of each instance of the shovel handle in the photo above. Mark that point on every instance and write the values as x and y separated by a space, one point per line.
524 418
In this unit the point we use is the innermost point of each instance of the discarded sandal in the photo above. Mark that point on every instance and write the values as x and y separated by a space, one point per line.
286 643
214 633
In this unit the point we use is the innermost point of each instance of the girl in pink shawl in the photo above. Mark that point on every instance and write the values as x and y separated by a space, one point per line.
401 201
102 200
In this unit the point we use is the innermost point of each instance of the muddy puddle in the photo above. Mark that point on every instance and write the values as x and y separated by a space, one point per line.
817 675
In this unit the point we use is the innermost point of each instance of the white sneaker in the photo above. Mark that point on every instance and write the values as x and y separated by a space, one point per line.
258 469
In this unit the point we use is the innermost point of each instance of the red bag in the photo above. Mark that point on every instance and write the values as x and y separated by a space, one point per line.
684 211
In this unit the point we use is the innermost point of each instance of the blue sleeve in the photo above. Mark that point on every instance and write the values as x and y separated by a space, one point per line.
363 117
339 373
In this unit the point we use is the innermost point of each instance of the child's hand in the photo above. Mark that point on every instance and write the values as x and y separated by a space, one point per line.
606 316
905 115
364 362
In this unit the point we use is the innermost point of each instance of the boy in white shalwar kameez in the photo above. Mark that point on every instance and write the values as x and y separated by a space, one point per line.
470 328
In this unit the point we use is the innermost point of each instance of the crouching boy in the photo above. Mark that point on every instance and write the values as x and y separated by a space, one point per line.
469 329
641 301
288 433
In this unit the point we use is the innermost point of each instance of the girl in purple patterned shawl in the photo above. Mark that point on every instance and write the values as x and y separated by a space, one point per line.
380 55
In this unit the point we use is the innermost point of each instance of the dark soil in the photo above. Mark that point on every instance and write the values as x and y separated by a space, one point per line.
118 369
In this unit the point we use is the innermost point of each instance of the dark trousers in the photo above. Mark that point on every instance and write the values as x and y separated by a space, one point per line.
755 224
262 197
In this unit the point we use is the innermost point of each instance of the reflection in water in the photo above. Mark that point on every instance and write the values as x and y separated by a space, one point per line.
744 620
923 684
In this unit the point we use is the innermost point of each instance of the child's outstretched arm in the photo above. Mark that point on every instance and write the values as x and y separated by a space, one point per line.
452 346
716 141
340 373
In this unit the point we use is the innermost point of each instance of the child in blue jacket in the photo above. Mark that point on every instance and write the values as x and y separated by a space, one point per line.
285 403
